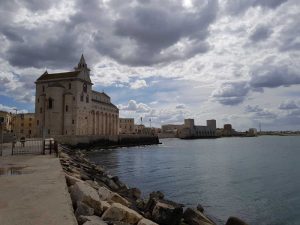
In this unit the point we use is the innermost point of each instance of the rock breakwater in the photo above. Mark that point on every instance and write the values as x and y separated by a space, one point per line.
99 198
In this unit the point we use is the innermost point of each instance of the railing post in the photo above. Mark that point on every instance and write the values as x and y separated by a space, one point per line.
44 145
56 148
50 147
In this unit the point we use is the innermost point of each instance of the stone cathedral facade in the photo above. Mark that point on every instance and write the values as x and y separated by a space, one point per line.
65 104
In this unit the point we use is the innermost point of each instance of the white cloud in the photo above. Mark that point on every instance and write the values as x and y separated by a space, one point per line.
137 84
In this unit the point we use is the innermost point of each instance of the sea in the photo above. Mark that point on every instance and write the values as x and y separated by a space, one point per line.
256 179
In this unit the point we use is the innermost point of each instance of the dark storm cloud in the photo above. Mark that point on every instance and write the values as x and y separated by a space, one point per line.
260 33
272 76
151 27
231 93
259 112
240 6
145 34
289 105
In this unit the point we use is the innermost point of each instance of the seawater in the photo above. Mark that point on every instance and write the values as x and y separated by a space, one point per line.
256 179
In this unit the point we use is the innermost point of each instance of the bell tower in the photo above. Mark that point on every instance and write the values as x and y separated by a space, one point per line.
83 68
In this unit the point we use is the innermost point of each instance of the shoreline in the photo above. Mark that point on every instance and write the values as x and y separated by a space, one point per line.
115 195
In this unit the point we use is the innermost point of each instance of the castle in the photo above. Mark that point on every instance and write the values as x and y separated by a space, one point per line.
65 104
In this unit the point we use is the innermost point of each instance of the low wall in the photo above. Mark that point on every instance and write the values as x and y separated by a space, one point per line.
92 141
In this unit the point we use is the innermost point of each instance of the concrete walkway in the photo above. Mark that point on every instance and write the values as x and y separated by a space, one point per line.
33 191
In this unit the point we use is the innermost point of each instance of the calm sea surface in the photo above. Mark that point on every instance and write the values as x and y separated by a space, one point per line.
256 179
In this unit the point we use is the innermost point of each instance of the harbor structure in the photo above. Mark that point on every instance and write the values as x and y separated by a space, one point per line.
66 104
189 130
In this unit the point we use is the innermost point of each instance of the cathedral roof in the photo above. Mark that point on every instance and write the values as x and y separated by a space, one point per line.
51 76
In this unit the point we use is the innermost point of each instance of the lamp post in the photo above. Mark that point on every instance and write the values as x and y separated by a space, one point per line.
2 124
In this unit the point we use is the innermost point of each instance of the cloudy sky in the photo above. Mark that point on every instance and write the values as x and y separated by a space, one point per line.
237 61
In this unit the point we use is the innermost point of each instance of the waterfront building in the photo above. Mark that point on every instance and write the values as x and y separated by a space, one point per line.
227 130
190 130
126 125
24 125
65 104
252 132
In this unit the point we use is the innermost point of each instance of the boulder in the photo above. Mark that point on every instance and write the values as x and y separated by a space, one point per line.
145 221
235 221
200 208
167 212
107 195
83 210
195 217
82 192
119 212
71 180
94 220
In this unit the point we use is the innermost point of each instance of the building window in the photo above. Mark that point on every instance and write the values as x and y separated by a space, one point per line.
84 88
30 119
30 124
38 100
21 131
87 98
73 121
67 108
43 88
22 124
66 132
50 103
48 131
73 98
81 97
70 85
37 122
41 110
29 132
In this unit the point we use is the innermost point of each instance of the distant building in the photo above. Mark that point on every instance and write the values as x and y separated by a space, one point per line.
170 128
24 125
65 104
227 130
7 121
190 130
126 126
252 132
139 129
211 124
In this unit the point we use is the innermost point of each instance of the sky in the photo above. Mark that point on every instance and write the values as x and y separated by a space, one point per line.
236 61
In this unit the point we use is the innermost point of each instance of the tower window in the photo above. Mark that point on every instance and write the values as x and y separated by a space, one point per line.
41 110
43 88
37 122
87 98
73 121
70 85
81 97
50 103
84 88
67 108
48 131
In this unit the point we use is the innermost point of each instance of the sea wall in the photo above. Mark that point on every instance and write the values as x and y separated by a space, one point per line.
92 141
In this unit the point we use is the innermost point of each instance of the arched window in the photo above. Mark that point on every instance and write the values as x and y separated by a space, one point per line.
87 98
70 85
85 88
81 97
50 103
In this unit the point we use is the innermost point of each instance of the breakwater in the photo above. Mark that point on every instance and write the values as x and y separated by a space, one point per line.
99 198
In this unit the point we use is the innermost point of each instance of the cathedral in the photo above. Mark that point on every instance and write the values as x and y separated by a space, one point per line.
65 104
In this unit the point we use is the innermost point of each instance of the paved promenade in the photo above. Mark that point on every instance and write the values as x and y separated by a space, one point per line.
33 191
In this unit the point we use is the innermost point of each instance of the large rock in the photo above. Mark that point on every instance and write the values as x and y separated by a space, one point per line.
71 180
167 212
119 212
235 221
145 221
107 195
93 220
82 192
83 210
195 217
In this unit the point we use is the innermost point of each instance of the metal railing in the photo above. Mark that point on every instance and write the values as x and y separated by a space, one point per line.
33 146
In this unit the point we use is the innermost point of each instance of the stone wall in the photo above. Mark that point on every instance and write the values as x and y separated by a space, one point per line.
106 140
